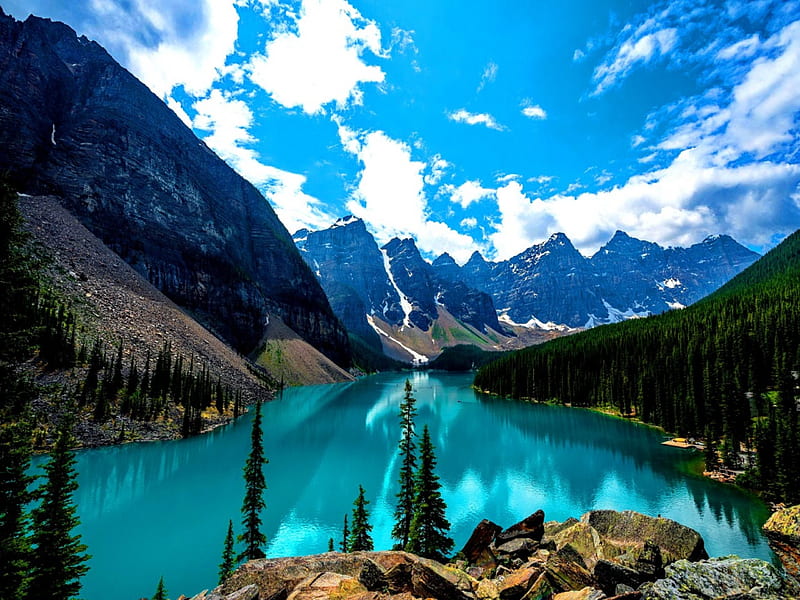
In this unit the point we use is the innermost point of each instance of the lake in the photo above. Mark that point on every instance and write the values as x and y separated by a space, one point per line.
156 509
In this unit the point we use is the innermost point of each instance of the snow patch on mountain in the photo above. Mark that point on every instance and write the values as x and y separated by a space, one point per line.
405 304
533 322
615 315
417 358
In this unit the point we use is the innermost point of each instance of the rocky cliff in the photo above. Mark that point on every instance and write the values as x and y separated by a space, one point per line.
74 124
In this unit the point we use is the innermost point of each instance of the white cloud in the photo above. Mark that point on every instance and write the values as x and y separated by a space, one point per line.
488 76
437 167
467 193
740 50
173 54
320 60
640 48
578 55
469 223
637 140
390 195
463 116
229 119
534 111
178 109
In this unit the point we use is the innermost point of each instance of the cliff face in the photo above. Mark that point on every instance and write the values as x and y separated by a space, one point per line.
76 125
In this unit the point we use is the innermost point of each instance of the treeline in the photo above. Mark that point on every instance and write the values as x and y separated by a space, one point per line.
724 369
38 330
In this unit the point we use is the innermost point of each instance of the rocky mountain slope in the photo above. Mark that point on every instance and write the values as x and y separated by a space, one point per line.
394 300
604 555
77 126
553 283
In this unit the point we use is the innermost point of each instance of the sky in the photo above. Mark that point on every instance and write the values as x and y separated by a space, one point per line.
484 125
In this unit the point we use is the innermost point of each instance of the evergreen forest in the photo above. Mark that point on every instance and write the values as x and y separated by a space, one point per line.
724 370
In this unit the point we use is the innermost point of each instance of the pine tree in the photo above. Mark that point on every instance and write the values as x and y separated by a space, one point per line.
360 538
228 563
330 545
59 556
343 546
404 511
15 551
161 591
429 527
253 502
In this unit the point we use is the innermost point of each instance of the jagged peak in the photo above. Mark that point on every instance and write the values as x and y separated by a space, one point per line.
476 257
444 259
345 221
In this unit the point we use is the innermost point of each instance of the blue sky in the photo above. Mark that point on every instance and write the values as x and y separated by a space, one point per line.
478 125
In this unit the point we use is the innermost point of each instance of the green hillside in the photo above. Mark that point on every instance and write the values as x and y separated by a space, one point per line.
723 369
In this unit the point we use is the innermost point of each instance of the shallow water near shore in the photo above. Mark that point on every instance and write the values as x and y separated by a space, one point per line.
162 508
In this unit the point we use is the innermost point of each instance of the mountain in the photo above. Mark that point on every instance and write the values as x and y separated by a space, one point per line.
76 125
552 283
724 369
392 298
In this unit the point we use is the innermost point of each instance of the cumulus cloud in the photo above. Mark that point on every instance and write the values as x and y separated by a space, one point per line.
533 111
320 59
469 223
463 116
390 195
467 193
229 119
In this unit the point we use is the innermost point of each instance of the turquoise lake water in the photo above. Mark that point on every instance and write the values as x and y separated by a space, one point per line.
156 509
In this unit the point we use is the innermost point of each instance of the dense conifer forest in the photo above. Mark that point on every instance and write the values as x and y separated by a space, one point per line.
724 369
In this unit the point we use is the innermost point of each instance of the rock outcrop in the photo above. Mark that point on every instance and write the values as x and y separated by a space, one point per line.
76 125
783 534
549 561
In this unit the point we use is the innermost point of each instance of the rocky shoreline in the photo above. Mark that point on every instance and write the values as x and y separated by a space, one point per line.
604 555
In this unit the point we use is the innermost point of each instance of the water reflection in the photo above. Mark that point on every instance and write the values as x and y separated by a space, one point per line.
163 508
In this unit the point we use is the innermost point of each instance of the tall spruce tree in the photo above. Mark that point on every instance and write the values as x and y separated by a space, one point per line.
360 538
253 502
59 557
15 550
343 546
404 511
161 591
429 527
228 563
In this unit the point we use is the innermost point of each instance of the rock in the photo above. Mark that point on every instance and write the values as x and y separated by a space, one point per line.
634 595
531 527
551 528
542 589
487 590
248 592
326 585
429 579
649 562
611 574
396 567
624 531
720 578
568 553
586 593
276 578
478 543
566 575
516 584
584 539
520 548
783 535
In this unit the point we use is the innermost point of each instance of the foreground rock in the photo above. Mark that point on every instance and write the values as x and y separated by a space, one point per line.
783 533
606 555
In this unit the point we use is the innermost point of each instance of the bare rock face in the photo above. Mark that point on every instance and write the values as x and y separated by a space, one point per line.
76 125
783 534
478 543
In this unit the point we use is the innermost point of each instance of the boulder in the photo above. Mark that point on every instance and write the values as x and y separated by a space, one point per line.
248 592
567 575
783 535
325 586
276 578
720 578
611 574
520 548
551 528
542 589
627 531
649 562
584 539
429 579
532 527
396 567
516 584
487 590
478 543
